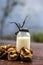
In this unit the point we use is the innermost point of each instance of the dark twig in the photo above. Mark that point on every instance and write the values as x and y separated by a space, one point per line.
24 21
16 24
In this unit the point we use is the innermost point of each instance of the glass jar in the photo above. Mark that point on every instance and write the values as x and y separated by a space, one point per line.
23 39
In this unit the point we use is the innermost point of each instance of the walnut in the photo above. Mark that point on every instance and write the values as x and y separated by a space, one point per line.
4 50
25 54
12 54
3 53
9 46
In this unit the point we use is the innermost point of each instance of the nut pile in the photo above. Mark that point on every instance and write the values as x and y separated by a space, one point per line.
9 52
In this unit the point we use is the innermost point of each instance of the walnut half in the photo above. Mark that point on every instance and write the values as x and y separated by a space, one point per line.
3 52
25 54
12 54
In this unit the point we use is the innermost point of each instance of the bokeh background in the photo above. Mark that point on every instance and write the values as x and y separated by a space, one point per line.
16 11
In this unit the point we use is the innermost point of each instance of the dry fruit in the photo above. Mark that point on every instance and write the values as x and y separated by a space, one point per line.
12 54
25 54
3 53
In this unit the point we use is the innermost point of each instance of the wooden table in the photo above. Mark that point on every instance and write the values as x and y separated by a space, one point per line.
36 60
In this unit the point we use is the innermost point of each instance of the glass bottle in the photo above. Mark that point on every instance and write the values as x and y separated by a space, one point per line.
23 39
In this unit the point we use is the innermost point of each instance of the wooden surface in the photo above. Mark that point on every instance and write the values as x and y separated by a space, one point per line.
37 55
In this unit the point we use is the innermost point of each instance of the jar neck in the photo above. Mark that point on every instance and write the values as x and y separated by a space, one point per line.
24 30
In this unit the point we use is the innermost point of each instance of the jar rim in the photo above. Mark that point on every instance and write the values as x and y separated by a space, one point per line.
24 30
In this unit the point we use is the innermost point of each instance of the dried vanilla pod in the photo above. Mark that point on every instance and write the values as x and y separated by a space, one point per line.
3 53
25 54
12 54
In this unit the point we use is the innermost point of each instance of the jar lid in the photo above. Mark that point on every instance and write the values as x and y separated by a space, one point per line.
24 30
